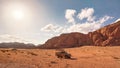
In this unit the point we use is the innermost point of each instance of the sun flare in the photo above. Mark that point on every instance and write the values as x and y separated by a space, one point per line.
18 14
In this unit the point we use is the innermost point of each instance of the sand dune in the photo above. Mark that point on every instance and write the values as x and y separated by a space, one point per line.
82 57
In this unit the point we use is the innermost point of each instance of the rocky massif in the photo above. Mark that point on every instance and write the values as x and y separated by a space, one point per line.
106 36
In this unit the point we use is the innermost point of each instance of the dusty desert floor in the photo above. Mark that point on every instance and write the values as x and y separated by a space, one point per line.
82 57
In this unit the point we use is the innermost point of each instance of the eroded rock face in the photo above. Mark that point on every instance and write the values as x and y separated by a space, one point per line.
68 40
108 35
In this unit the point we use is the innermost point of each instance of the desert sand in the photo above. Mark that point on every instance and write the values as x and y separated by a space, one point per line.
82 57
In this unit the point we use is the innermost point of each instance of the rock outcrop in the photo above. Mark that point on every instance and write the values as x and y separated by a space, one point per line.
108 35
68 40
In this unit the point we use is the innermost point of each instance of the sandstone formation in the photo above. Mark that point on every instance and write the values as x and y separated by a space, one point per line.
106 36
68 40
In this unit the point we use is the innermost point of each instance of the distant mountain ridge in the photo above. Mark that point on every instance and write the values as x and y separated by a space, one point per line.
17 45
106 36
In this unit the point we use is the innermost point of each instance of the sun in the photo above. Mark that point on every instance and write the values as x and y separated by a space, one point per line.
18 14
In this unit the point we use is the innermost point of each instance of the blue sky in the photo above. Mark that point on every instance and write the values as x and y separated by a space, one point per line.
101 7
35 21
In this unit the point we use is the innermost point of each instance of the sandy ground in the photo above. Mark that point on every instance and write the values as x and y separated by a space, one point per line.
82 57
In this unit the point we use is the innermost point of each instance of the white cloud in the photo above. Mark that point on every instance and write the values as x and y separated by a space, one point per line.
105 18
59 29
49 27
88 26
86 13
52 28
11 38
84 27
91 24
117 20
69 15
